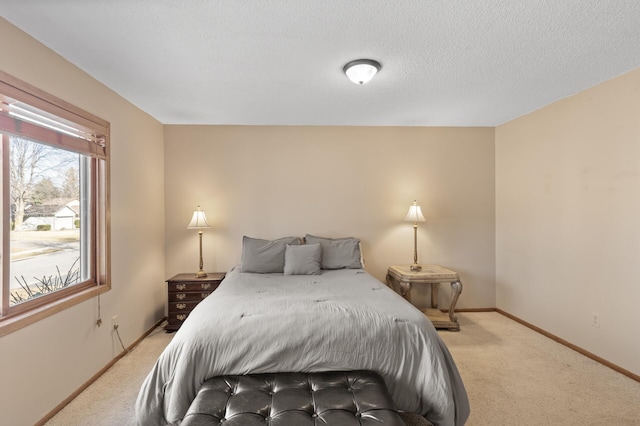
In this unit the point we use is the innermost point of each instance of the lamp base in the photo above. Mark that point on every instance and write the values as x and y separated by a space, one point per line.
415 267
201 274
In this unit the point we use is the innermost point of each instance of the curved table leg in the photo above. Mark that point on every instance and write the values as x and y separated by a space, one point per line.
434 294
456 289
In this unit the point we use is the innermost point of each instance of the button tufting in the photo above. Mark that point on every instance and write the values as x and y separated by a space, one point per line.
316 383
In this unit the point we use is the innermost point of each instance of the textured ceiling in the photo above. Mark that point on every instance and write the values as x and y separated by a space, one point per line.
257 62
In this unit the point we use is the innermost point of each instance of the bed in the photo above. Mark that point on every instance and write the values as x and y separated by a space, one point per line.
332 319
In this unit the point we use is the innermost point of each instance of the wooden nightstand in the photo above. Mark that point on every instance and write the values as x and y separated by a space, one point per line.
402 278
185 291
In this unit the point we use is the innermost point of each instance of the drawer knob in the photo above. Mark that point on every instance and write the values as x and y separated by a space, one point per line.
181 305
181 296
181 286
181 317
206 286
204 295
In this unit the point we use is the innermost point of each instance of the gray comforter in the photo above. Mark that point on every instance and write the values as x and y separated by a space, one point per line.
340 320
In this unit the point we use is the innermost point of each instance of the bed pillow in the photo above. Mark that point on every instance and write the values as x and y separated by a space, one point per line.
338 253
264 256
302 259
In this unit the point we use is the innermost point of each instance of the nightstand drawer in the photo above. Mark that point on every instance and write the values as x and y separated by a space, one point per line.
181 307
175 320
185 296
197 286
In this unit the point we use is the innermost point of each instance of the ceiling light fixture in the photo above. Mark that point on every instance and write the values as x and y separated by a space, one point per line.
361 71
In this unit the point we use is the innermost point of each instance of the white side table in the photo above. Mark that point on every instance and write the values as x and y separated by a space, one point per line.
402 279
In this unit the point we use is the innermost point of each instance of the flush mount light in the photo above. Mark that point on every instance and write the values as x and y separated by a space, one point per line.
361 71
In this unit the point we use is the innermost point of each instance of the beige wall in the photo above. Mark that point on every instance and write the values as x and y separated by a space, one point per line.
568 219
44 363
270 182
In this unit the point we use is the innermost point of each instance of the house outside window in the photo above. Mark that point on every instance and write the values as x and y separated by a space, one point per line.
55 228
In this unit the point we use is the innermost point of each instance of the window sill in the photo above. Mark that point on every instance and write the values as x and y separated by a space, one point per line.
12 323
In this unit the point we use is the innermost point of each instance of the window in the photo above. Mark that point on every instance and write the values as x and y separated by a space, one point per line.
55 228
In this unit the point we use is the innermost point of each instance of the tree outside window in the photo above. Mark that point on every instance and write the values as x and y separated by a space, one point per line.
45 241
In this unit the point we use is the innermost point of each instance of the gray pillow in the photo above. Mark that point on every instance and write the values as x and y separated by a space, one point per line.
338 253
264 256
302 259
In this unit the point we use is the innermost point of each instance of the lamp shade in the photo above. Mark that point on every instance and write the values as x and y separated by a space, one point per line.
198 220
415 214
361 71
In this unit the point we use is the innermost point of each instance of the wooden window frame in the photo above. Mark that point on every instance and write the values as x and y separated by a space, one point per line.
96 146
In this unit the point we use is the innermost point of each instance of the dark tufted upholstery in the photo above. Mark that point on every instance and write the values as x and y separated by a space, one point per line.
294 399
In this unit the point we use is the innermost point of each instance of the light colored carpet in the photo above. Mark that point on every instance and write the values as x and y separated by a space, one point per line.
513 375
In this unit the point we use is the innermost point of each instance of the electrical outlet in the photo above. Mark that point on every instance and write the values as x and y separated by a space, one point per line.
595 320
114 322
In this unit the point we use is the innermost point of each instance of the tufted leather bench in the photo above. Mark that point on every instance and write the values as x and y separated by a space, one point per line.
294 399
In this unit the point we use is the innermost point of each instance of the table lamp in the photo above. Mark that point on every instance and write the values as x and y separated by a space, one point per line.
415 216
199 222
